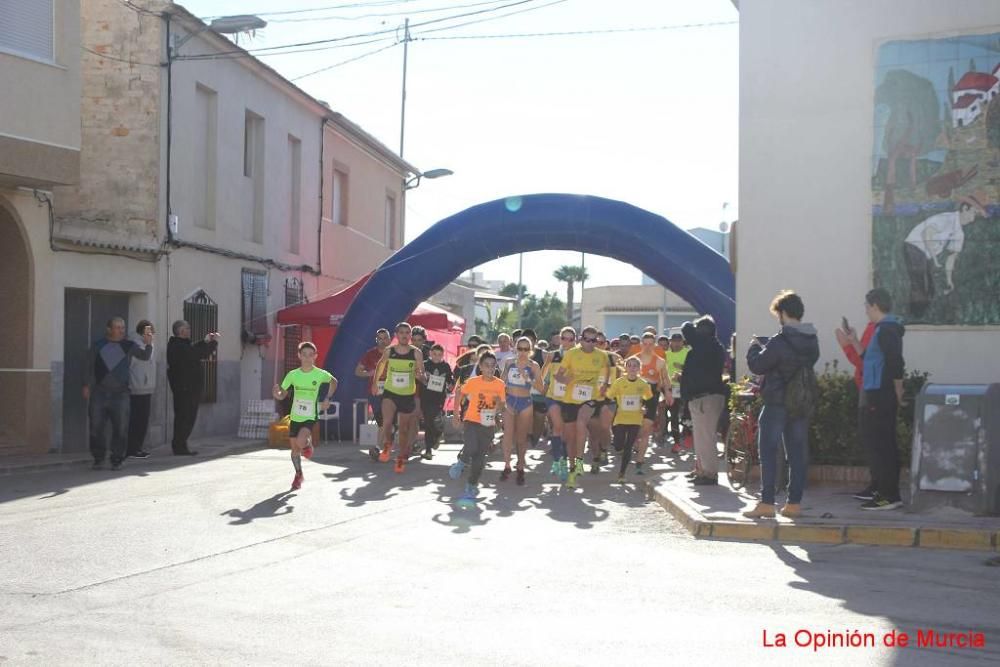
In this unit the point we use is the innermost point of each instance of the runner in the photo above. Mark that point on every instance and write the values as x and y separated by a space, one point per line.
439 381
518 375
309 385
654 371
485 394
604 414
366 369
676 356
537 398
629 392
505 350
555 391
404 365
585 371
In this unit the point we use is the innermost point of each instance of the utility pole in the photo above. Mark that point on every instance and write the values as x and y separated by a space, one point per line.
402 115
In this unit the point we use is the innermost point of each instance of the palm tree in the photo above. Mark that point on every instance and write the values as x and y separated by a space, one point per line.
570 275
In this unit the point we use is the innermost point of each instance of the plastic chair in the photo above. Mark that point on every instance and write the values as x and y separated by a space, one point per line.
332 414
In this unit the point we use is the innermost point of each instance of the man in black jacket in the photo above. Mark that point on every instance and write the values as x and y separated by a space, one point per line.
778 359
703 391
185 376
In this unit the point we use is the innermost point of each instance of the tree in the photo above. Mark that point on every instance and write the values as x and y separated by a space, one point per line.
914 120
544 314
504 321
510 289
569 275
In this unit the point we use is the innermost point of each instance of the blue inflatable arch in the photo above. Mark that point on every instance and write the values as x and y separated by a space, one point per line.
421 268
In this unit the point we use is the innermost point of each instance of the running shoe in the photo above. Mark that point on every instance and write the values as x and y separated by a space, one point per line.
563 469
505 475
308 451
373 453
620 480
554 470
468 497
865 494
595 467
571 480
456 469
428 454
520 477
676 449
604 457
383 456
297 481
638 469
578 467
688 441
879 503
400 464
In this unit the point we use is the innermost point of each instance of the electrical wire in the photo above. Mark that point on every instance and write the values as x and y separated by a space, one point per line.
598 31
353 5
136 8
260 51
345 62
120 60
410 12
494 18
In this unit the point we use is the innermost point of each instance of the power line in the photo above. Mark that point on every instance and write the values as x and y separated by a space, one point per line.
345 62
242 53
598 31
387 14
136 8
120 60
494 18
352 5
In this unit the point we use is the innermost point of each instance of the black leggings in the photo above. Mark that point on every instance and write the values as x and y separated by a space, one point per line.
431 411
625 437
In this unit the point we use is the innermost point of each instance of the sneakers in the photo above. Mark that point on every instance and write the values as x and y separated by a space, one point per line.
456 469
620 480
97 465
141 454
578 466
505 475
762 511
638 469
876 504
116 465
676 449
791 510
400 464
571 480
595 467
308 451
554 470
468 496
373 453
383 456
427 455
702 480
866 494
604 457
297 481
692 474
520 477
563 469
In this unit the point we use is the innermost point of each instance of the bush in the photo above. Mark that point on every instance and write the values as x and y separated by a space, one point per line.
833 431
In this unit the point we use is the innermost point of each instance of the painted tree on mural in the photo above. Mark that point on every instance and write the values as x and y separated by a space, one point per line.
914 121
993 128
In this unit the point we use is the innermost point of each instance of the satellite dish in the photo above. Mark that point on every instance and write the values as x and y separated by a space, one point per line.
723 227
229 25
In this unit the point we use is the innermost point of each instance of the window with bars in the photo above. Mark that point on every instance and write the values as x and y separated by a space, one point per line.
203 315
294 295
254 296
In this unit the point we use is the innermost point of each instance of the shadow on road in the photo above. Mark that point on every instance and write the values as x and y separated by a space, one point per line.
276 505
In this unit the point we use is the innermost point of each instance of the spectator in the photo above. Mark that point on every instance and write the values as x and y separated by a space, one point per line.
142 383
778 359
105 386
704 392
882 392
844 340
186 381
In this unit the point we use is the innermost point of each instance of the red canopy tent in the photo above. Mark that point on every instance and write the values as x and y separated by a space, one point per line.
324 317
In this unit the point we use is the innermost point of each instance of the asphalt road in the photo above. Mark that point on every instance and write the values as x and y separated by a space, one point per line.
218 563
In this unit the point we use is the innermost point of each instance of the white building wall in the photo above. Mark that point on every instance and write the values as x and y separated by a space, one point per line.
805 166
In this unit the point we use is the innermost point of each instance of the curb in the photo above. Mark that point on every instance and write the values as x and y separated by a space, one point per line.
771 531
249 446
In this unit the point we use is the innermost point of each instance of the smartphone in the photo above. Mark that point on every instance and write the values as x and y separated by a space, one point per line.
844 325
762 339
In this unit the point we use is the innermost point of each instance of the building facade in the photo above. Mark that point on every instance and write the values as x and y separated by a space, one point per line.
39 150
201 195
870 175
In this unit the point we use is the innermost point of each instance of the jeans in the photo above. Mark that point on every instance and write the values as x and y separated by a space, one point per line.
108 407
776 426
138 421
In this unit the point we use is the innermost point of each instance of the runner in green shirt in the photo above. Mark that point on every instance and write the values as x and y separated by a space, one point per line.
309 385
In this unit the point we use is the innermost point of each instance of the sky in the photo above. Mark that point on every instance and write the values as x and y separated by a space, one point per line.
647 117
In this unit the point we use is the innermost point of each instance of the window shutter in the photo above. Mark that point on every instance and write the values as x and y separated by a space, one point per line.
26 27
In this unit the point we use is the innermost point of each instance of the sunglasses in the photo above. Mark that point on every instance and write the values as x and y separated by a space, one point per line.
524 349
588 340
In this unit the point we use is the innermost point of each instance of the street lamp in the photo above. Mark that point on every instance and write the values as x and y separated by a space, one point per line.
225 25
430 173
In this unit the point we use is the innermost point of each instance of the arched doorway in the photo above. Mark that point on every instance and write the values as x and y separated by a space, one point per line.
650 242
15 313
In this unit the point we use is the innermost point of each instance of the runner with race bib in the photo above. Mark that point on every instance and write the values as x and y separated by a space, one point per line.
486 395
628 392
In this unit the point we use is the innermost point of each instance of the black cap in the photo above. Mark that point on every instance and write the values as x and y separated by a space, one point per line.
676 336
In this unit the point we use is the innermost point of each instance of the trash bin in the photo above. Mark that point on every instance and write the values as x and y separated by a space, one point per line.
956 448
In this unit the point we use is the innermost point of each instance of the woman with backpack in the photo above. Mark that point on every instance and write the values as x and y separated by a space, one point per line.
789 390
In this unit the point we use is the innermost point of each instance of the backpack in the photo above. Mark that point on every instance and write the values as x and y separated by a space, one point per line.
801 393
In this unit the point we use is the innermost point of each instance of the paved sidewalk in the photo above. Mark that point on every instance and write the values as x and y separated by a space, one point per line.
829 515
206 447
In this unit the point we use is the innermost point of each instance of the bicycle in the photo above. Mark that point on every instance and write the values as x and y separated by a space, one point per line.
741 451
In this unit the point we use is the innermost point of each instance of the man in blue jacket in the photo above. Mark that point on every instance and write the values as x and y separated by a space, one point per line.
106 387
881 394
